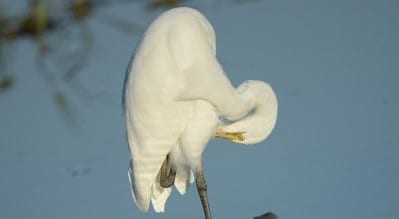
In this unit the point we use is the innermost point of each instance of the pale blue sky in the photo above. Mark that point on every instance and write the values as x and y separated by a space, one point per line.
334 66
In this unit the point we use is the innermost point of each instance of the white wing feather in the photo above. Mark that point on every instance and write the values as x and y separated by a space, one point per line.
184 177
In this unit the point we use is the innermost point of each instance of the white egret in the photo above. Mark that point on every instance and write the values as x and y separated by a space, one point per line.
175 91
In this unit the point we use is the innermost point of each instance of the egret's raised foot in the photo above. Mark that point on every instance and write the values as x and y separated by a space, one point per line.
231 136
168 173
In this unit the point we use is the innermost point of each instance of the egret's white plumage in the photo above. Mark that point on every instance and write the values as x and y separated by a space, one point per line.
175 91
257 126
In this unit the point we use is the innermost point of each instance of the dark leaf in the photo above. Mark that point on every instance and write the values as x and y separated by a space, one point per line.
6 83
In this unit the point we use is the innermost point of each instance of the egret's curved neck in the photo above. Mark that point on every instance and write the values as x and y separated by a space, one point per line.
257 126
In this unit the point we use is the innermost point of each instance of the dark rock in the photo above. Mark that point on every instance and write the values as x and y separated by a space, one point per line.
268 215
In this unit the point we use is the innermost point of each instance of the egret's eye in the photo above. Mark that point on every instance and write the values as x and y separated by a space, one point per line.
241 138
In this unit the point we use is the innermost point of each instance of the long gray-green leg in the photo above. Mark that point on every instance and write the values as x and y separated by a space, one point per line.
202 188
168 173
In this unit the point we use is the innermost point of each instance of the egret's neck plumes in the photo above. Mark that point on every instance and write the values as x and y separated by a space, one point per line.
257 126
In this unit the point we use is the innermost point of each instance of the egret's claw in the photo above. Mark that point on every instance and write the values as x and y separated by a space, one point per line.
231 136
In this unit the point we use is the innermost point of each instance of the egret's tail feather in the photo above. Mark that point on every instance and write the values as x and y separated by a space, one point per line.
184 177
159 197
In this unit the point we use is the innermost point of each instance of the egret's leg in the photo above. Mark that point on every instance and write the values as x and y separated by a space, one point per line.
231 136
168 173
202 188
